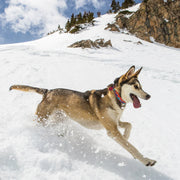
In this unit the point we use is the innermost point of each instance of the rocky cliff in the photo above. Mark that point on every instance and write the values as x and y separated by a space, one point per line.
157 20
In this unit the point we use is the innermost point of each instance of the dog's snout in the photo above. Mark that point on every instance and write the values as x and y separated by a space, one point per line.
148 96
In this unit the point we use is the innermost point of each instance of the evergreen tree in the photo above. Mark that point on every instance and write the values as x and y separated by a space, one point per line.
79 18
73 20
68 25
85 17
98 14
90 16
118 6
110 11
127 3
115 6
59 27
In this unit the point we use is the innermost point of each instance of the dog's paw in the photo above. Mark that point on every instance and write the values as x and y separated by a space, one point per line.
149 162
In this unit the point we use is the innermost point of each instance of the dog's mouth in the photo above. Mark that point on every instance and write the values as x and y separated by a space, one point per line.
136 102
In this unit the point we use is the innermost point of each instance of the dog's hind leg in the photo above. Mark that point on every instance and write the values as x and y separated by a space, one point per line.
127 126
43 111
42 116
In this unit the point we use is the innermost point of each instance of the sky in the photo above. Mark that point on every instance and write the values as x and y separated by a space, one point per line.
24 20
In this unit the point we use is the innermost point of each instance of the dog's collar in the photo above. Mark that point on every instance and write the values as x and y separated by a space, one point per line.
117 95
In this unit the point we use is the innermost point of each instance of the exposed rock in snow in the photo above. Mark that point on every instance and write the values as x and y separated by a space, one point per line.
91 44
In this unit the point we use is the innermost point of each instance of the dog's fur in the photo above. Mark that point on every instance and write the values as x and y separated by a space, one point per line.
96 108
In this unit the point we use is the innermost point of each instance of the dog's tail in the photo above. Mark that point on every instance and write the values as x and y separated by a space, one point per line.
29 89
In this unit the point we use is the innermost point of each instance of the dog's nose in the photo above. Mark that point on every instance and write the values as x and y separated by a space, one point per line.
147 96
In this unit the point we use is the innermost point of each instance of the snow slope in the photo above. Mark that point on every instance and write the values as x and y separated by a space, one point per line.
69 151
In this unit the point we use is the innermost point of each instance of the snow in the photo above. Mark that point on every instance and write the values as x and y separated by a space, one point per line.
69 151
133 8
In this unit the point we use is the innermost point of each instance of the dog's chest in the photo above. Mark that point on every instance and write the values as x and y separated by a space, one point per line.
114 112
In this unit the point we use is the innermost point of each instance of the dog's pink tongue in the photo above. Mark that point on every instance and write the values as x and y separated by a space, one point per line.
136 102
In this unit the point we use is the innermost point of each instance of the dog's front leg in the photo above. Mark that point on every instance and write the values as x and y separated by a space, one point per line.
127 126
113 132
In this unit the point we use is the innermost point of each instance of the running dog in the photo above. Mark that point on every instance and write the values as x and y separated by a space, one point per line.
97 108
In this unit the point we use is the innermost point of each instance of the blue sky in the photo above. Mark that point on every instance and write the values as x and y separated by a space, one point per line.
26 20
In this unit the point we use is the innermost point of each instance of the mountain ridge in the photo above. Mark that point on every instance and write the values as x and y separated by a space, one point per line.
155 19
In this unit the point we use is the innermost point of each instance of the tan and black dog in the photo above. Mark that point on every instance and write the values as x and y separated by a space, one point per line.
97 108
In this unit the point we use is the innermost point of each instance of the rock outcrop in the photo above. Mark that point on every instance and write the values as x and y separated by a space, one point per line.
112 27
91 44
157 20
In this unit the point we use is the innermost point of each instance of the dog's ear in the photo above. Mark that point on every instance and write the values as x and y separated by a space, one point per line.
130 72
137 72
126 76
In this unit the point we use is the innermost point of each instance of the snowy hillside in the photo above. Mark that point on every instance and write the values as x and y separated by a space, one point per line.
30 151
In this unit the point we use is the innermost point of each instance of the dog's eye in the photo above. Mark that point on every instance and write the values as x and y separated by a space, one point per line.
135 86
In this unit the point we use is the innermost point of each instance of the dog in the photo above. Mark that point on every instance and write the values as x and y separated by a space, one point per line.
97 109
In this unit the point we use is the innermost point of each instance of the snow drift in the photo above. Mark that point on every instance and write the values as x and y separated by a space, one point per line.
69 151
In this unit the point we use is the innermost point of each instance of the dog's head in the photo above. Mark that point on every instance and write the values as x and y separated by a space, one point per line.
130 88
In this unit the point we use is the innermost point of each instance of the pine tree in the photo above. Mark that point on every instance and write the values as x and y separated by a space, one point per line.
98 14
59 27
85 17
118 6
115 6
79 18
127 3
73 20
68 25
90 16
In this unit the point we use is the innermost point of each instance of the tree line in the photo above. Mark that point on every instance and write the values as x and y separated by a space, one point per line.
115 5
87 17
